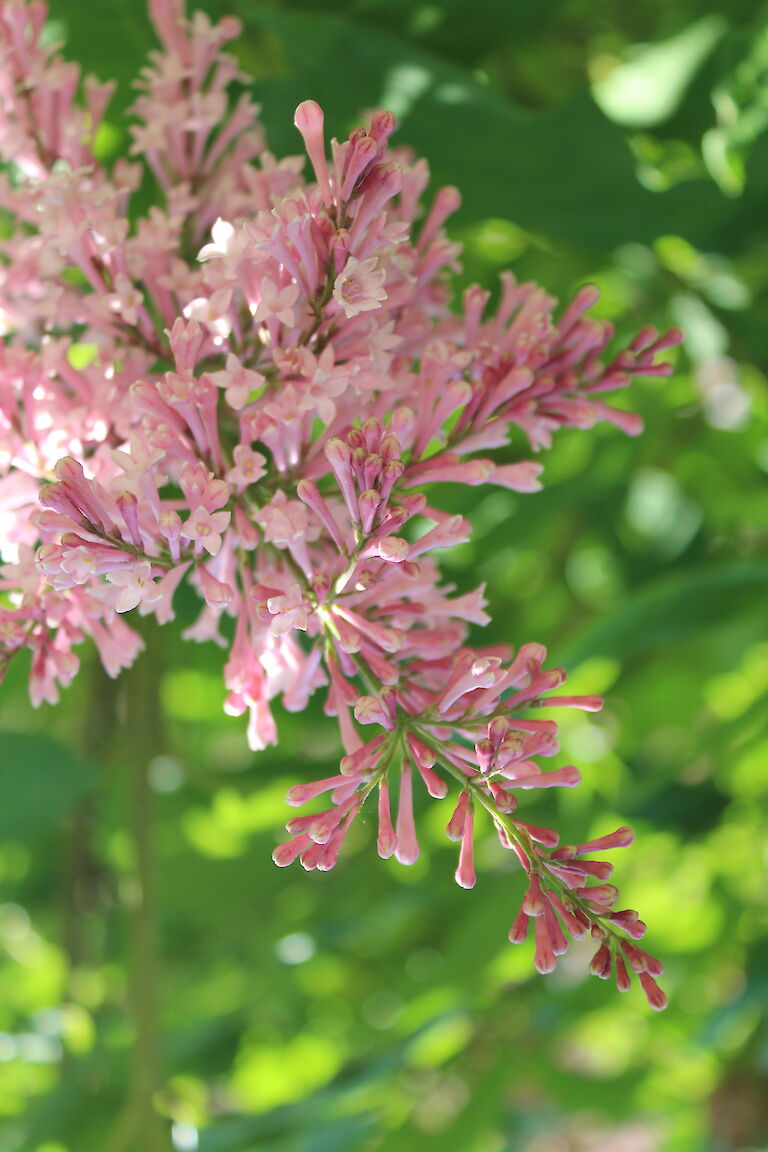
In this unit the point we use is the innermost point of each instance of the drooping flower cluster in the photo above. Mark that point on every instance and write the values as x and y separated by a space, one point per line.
258 387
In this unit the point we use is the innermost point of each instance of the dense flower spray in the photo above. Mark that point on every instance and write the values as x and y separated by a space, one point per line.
258 387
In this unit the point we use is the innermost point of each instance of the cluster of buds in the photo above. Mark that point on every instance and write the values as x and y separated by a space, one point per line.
258 387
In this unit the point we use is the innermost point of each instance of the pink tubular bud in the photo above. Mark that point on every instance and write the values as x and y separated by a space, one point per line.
585 703
568 777
216 594
424 759
497 729
482 673
435 785
388 697
547 837
556 934
309 120
387 841
644 960
297 825
545 959
574 919
325 824
455 827
504 801
407 850
340 249
521 477
363 759
388 639
424 756
361 153
339 457
301 793
307 491
484 751
285 854
533 901
636 929
390 474
623 979
624 916
621 838
369 710
383 124
446 202
600 964
382 182
54 496
653 994
519 929
585 298
465 873
576 872
129 509
393 549
368 504
349 639
669 339
601 894
330 827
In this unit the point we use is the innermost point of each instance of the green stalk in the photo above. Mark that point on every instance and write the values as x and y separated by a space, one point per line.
140 739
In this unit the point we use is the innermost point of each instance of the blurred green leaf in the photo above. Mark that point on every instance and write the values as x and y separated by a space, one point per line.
644 560
741 106
674 608
568 173
648 85
41 782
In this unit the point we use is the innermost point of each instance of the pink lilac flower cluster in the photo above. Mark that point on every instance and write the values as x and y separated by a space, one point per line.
258 387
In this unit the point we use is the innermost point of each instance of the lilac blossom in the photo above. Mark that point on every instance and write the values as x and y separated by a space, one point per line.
271 388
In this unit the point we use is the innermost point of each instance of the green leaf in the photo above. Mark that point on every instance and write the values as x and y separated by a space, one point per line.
568 173
40 782
674 608
648 86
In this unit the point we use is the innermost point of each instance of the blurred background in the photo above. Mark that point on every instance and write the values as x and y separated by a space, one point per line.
379 1007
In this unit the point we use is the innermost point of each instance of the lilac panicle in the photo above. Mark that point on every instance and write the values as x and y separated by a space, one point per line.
280 391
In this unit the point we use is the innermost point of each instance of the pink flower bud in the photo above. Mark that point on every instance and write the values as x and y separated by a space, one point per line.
465 873
547 837
369 710
301 793
285 854
654 995
407 850
387 841
544 956
216 594
455 827
309 120
519 929
601 963
533 901
623 979
585 703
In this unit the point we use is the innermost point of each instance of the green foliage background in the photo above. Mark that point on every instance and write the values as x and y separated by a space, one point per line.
378 1007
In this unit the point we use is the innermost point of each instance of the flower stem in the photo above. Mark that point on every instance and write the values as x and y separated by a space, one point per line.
140 740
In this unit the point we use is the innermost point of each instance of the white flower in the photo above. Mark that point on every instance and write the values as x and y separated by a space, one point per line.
359 286
223 235
135 586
